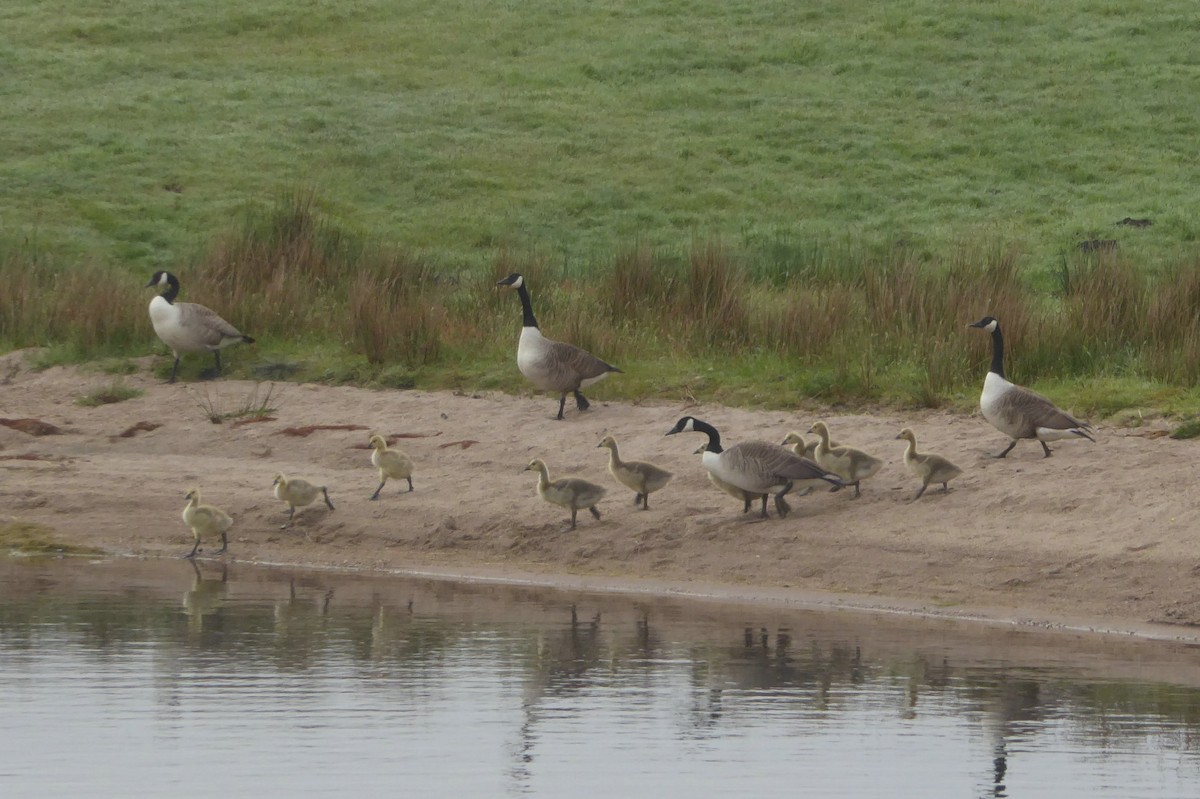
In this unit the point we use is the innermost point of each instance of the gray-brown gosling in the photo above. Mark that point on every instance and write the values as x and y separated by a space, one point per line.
805 448
297 493
188 327
642 477
759 467
390 462
1018 412
205 520
569 492
553 365
748 498
929 468
852 465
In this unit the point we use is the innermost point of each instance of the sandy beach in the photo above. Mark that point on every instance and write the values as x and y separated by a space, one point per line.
1099 534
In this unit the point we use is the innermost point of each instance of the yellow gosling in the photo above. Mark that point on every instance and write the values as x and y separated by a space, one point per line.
390 462
641 477
297 493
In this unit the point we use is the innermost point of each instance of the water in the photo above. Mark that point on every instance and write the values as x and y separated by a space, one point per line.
152 679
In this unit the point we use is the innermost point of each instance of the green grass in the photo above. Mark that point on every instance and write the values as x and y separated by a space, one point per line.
31 540
113 392
755 202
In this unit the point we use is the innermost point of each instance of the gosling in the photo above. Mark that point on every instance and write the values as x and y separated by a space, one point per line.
805 448
852 465
390 463
928 467
643 478
205 520
569 492
297 493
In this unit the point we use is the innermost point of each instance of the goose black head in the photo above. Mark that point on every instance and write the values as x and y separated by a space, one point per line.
988 323
161 278
512 281
685 424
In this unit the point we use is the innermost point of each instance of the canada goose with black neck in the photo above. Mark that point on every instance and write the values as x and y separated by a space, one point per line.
187 326
553 365
1018 412
757 467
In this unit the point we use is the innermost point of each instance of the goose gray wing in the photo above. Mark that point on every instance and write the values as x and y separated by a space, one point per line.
574 361
1038 411
205 325
773 463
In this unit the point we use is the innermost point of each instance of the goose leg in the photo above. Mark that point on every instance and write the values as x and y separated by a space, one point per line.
1008 449
581 402
747 499
224 543
376 494
217 355
325 491
764 506
595 512
637 499
857 493
1044 448
174 369
574 511
562 402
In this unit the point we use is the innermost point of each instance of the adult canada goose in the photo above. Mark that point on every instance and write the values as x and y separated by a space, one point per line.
643 478
390 463
1018 412
205 520
759 467
298 493
747 498
569 492
928 467
852 465
186 326
553 365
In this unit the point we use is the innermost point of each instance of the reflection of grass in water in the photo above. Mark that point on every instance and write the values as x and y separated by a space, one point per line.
25 538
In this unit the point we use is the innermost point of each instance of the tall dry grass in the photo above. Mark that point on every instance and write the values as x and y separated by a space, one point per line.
868 323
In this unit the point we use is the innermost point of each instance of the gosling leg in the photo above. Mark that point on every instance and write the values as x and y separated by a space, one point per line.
325 491
291 513
917 495
595 512
637 499
224 543
410 485
376 494
195 546
574 511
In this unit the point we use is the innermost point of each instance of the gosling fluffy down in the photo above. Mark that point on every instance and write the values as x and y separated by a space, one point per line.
390 462
641 477
569 492
929 468
852 465
205 520
297 493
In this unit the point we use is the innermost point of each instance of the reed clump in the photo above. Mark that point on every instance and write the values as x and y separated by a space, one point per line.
837 323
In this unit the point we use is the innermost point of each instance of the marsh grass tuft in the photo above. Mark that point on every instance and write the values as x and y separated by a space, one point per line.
114 392
255 406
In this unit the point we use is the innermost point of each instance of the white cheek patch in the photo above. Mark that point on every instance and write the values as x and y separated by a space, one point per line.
518 282
162 281
991 326
688 425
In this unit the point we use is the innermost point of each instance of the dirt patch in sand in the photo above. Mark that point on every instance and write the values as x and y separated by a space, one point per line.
1103 531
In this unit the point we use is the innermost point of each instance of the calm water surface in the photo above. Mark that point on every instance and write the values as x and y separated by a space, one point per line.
123 679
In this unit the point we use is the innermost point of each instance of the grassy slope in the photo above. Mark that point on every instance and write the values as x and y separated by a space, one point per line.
136 130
